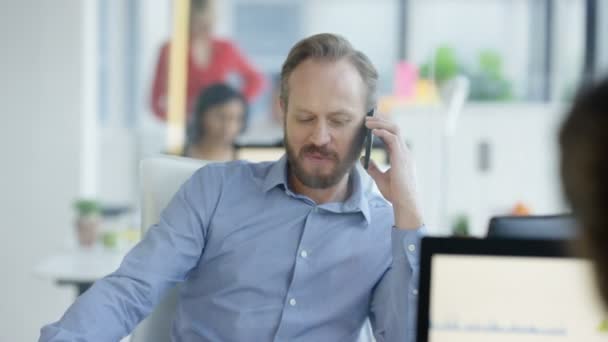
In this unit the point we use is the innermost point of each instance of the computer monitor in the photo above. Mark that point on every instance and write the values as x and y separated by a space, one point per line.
533 227
474 290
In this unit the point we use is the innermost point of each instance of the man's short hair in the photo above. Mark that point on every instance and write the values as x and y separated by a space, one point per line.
584 169
330 47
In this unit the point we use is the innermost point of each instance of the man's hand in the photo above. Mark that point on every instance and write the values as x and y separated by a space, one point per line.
397 184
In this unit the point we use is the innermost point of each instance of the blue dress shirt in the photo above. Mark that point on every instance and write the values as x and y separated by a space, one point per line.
260 263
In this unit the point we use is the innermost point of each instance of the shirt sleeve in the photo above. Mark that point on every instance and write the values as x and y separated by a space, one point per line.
158 98
394 300
253 80
114 305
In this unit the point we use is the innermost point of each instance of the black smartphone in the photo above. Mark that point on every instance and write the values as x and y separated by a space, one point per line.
368 142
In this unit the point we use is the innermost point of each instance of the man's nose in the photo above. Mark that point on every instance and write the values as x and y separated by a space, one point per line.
321 136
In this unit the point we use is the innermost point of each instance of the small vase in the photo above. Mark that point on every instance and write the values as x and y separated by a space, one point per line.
87 229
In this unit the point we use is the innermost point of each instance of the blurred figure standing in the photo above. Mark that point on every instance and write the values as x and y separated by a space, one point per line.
210 60
218 118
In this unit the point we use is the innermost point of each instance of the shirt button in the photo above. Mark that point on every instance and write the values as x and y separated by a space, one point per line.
292 302
411 248
315 209
304 254
415 292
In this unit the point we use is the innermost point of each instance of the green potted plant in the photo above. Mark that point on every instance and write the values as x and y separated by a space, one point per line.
88 221
488 82
443 67
460 228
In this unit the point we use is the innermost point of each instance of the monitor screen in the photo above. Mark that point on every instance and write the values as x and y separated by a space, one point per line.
489 298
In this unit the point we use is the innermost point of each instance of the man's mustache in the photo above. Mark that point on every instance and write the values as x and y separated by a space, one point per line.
323 151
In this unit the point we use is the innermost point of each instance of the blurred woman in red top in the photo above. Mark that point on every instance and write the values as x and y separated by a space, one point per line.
210 61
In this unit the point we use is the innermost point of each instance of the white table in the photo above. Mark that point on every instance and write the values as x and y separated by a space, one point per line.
80 267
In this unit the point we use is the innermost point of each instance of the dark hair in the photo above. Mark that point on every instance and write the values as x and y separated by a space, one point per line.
198 5
212 96
327 46
584 170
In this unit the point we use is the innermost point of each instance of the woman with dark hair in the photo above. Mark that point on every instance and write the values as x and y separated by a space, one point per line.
219 116
584 170
210 60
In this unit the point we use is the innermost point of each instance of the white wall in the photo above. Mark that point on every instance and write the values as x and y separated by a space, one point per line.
39 145
523 161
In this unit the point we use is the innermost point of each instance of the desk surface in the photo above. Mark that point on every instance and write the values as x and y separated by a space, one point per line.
80 265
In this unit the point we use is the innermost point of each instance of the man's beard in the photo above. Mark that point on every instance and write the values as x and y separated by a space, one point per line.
341 166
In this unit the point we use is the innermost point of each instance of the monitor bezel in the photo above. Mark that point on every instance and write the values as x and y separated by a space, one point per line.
431 246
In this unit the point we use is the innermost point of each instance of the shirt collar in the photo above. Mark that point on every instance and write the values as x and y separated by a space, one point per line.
358 201
277 175
361 192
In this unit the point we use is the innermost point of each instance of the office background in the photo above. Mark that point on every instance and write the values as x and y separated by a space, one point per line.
75 79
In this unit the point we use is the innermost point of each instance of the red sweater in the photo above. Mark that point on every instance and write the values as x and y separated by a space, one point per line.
225 59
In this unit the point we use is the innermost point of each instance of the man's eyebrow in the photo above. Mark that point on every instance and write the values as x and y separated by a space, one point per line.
345 113
337 113
303 110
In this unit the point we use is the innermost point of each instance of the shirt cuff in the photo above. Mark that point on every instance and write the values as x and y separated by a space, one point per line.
410 241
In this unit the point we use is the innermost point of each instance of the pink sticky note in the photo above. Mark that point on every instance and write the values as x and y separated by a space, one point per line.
406 75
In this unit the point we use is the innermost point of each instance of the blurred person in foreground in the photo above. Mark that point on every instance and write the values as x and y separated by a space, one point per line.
219 116
292 250
584 169
210 60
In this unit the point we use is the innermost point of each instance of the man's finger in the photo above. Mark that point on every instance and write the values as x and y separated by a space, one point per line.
378 123
390 140
376 174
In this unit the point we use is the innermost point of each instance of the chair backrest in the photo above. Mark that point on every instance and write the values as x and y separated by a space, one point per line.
161 177
554 227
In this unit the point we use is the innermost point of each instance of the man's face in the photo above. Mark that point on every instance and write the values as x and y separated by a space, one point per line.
324 121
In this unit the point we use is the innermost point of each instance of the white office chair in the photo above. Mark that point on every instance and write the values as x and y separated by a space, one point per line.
161 177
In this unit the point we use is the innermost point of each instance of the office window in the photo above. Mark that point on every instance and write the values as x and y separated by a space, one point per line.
602 38
266 31
569 47
511 50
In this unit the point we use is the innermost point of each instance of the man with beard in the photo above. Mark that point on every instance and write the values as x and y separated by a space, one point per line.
293 250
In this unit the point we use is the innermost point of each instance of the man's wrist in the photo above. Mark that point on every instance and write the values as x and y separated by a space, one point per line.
408 217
